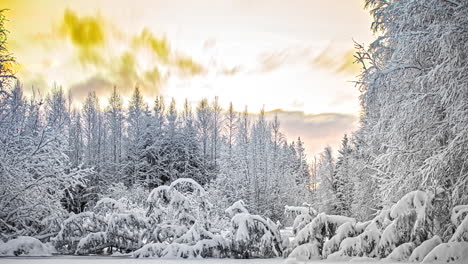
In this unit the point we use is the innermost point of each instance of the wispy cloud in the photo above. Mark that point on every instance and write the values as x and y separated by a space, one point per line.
144 59
339 62
317 131
87 34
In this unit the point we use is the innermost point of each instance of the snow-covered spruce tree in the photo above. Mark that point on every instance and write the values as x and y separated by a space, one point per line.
343 181
252 235
115 120
327 189
415 102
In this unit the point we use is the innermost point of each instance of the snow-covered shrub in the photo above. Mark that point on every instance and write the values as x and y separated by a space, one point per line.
350 246
196 242
107 206
366 243
178 224
127 231
459 213
422 250
236 208
461 233
183 203
397 233
303 215
93 243
333 244
133 197
411 222
420 204
448 252
402 252
252 235
306 252
26 246
316 232
216 246
77 227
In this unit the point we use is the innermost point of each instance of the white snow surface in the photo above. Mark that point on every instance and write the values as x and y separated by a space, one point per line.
26 246
452 252
127 260
422 250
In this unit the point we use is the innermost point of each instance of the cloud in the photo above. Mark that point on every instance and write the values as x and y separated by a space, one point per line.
271 61
329 59
339 62
187 66
159 46
348 64
315 130
129 74
229 71
100 85
86 33
113 57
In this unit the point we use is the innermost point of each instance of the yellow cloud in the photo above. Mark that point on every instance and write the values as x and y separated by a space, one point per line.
188 66
340 63
86 33
348 63
159 46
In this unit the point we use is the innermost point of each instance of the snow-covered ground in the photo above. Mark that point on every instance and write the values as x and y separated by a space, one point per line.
126 260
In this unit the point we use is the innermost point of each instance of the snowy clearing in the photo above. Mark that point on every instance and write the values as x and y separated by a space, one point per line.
125 260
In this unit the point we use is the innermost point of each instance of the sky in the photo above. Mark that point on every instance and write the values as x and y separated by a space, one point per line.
290 57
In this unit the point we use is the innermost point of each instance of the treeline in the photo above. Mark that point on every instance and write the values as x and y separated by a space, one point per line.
414 120
57 159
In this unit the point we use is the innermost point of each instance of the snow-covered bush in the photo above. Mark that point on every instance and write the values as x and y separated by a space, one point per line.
333 244
203 248
179 223
197 242
127 232
411 222
306 252
316 232
461 233
420 204
365 241
183 202
77 227
448 253
26 246
302 215
397 233
459 213
108 206
93 243
422 250
402 252
252 235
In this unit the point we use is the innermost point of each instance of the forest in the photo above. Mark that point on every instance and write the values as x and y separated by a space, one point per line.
141 181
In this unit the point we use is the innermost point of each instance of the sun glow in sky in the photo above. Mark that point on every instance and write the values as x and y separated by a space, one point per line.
293 55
